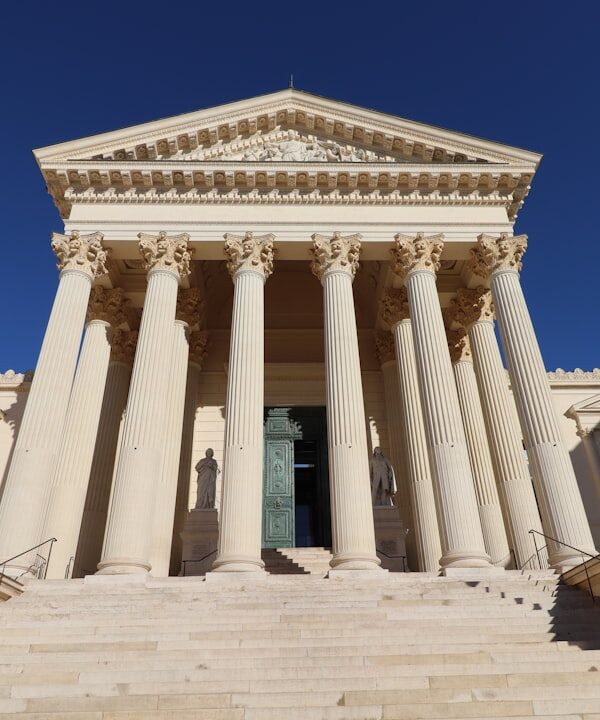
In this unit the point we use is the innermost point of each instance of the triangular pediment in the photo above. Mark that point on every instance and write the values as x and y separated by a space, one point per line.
254 129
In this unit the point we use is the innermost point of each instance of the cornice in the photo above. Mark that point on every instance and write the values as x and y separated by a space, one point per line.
13 380
578 376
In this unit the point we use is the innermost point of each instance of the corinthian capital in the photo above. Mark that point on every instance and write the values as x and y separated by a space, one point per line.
494 254
80 252
472 305
335 253
393 306
189 306
161 252
384 346
198 344
123 344
418 252
107 305
249 252
458 345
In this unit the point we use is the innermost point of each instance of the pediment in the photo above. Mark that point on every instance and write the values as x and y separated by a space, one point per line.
252 130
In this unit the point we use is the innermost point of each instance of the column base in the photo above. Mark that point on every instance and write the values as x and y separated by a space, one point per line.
465 559
238 564
355 561
123 566
473 573
565 560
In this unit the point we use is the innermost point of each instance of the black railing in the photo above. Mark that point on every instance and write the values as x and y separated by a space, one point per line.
39 567
581 552
194 560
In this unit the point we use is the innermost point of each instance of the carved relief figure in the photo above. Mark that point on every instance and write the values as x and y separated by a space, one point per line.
383 481
207 470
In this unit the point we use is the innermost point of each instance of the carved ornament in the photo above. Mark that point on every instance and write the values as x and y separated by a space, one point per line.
393 306
80 252
577 375
249 252
198 344
335 253
472 305
459 345
163 252
189 306
123 344
497 254
385 348
107 305
413 253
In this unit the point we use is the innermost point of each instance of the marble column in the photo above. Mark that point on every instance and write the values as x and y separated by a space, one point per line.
81 259
416 260
386 354
394 312
250 262
561 506
197 350
473 310
187 316
488 502
128 539
95 511
335 264
72 470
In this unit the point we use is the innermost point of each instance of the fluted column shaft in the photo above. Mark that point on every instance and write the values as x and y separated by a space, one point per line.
185 462
72 471
166 489
240 521
490 512
352 526
95 510
416 260
250 262
27 486
394 422
563 514
425 522
514 485
128 536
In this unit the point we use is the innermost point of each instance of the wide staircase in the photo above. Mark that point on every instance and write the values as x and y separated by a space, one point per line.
300 647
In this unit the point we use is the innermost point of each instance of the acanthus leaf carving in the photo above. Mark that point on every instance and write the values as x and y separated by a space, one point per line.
198 344
393 306
472 305
249 252
496 254
416 252
189 306
163 252
458 345
384 346
335 253
123 344
80 252
107 305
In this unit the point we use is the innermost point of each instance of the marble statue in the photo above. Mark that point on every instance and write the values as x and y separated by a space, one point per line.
383 480
207 470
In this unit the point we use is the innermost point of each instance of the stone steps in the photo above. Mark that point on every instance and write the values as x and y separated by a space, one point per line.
300 646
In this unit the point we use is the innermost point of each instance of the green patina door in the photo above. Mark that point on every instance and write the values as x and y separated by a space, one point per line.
278 479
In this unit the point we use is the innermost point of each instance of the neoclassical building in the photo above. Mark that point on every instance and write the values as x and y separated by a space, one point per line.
293 282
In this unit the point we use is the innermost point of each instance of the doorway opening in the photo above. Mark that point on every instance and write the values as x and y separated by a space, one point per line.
296 505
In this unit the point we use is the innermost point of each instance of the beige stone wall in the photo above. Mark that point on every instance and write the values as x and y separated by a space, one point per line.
13 396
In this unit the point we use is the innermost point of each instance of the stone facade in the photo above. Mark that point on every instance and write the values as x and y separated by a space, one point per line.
293 251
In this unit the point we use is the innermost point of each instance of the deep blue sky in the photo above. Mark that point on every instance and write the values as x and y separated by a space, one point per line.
522 73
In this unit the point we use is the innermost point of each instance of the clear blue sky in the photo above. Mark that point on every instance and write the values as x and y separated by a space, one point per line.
526 74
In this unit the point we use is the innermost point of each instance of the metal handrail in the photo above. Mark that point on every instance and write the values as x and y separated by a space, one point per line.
535 555
533 533
68 568
393 557
183 562
25 552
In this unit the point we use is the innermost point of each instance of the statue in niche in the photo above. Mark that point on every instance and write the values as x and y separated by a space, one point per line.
383 480
207 470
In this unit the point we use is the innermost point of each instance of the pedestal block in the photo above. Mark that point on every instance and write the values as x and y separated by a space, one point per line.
199 539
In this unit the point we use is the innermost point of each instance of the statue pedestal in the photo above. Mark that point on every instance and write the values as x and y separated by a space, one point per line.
199 540
390 538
